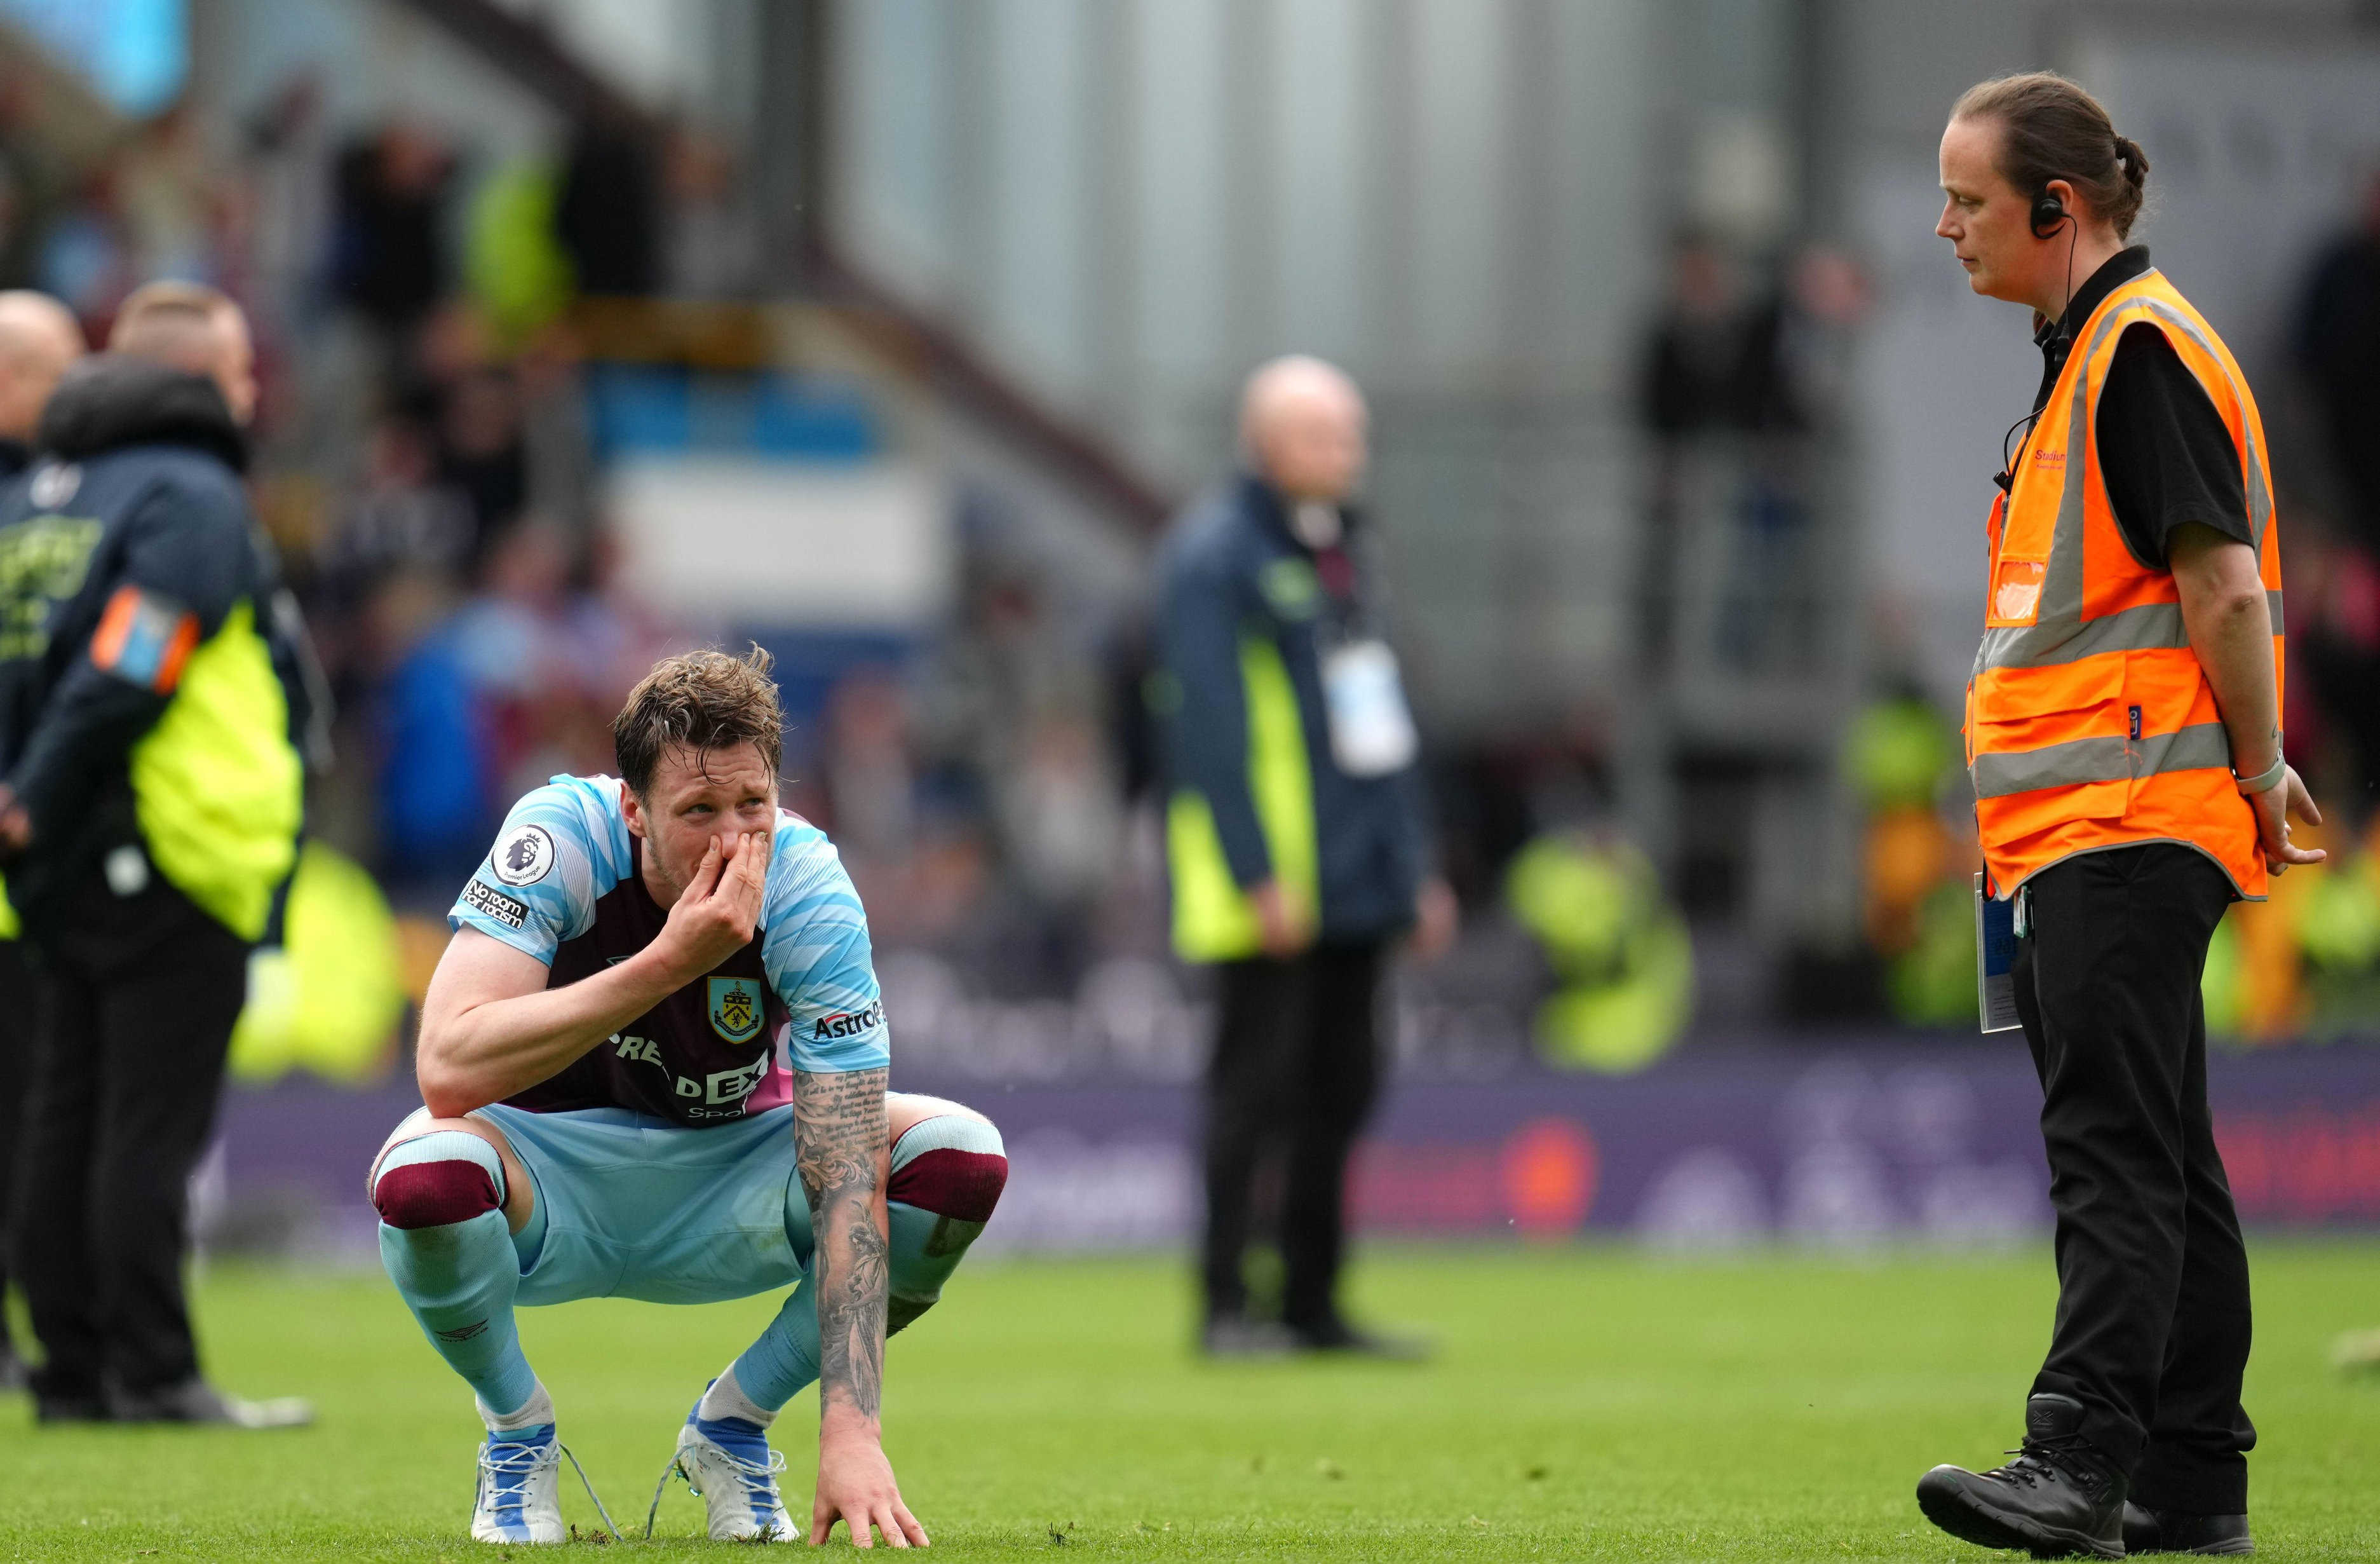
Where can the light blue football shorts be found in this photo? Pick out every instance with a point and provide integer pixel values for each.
(634, 1206)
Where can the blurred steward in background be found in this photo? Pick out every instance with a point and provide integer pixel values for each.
(2339, 355)
(2123, 736)
(150, 790)
(39, 339)
(1296, 833)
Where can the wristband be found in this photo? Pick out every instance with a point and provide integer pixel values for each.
(2264, 780)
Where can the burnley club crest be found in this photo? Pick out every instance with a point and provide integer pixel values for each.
(735, 1009)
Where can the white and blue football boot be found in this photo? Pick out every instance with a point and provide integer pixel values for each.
(519, 1497)
(728, 1462)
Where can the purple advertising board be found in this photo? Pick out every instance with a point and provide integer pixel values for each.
(1926, 1142)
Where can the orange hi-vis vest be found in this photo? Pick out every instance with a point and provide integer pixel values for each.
(2090, 724)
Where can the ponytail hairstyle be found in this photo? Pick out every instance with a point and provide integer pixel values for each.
(2051, 128)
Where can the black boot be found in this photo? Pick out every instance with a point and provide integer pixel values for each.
(1335, 1334)
(2059, 1494)
(59, 1399)
(2171, 1530)
(195, 1400)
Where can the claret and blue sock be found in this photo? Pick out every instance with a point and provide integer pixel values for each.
(448, 1248)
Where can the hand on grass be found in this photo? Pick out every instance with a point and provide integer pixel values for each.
(856, 1486)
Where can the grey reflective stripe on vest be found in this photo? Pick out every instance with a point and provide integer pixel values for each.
(2195, 748)
(2059, 633)
(2150, 626)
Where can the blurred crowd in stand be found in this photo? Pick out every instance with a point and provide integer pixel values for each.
(976, 794)
(1741, 387)
(430, 460)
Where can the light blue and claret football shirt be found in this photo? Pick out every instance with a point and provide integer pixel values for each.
(564, 883)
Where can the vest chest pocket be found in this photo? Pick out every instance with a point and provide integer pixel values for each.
(2016, 594)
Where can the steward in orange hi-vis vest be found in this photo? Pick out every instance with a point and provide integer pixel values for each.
(2090, 724)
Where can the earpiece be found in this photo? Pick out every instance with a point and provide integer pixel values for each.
(2048, 211)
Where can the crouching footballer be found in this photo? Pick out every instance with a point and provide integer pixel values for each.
(654, 1065)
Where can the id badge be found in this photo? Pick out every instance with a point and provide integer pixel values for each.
(1371, 729)
(1995, 960)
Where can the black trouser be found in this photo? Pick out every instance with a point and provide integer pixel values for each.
(139, 995)
(2153, 1321)
(15, 1064)
(1297, 1068)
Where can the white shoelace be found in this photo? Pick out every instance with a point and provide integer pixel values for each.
(494, 1468)
(753, 1472)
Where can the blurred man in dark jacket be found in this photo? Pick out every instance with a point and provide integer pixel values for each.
(1295, 833)
(38, 339)
(2338, 346)
(151, 790)
(2339, 351)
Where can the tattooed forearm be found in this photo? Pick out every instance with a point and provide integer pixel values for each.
(839, 1147)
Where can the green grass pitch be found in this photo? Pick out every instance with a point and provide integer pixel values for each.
(1585, 1403)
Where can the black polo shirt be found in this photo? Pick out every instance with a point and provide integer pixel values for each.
(2164, 451)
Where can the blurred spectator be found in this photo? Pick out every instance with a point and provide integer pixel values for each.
(38, 339)
(870, 778)
(463, 387)
(480, 703)
(557, 449)
(387, 259)
(607, 212)
(713, 250)
(517, 271)
(1061, 820)
(1619, 950)
(1900, 753)
(481, 455)
(2335, 631)
(32, 181)
(289, 157)
(2339, 344)
(404, 519)
(170, 199)
(1695, 362)
(431, 743)
(1299, 852)
(1734, 389)
(2338, 348)
(86, 257)
(1702, 379)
